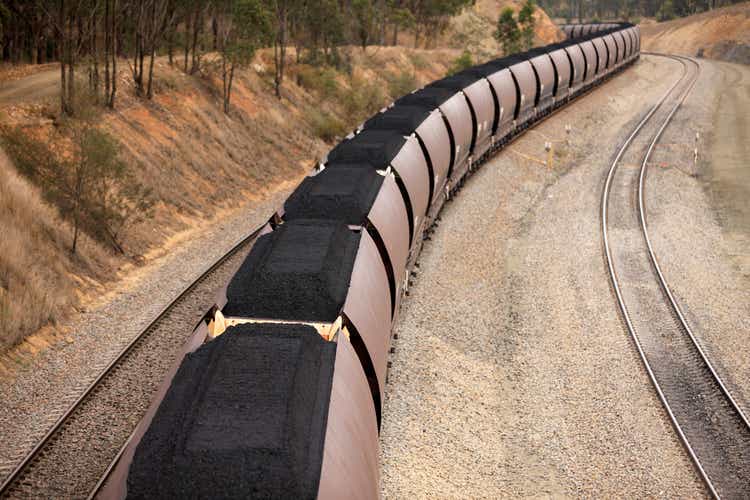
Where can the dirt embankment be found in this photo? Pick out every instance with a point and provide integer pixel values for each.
(718, 34)
(200, 162)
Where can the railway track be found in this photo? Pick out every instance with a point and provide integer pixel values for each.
(74, 453)
(712, 427)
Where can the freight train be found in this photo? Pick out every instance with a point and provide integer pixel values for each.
(279, 391)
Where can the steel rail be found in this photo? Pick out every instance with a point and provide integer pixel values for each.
(616, 285)
(654, 261)
(28, 460)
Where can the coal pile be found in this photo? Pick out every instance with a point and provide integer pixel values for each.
(428, 97)
(245, 417)
(345, 194)
(301, 271)
(374, 147)
(403, 119)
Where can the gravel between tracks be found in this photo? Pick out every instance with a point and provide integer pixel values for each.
(41, 391)
(513, 374)
(701, 244)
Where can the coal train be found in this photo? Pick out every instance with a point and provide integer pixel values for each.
(279, 391)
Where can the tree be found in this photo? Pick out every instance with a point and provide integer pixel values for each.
(282, 10)
(93, 189)
(508, 32)
(365, 22)
(526, 22)
(241, 26)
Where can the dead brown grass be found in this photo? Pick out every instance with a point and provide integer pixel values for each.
(36, 269)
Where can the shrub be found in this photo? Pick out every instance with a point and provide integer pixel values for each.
(418, 60)
(464, 61)
(325, 125)
(92, 188)
(666, 11)
(321, 80)
(363, 99)
(401, 84)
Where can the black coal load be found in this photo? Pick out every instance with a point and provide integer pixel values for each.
(427, 98)
(402, 119)
(301, 271)
(375, 148)
(456, 82)
(245, 417)
(346, 194)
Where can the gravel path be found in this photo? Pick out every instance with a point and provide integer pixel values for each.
(37, 394)
(513, 374)
(698, 217)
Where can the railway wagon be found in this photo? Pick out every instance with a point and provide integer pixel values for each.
(278, 392)
(457, 114)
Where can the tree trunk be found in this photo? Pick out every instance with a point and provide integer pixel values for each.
(280, 51)
(187, 43)
(107, 47)
(61, 28)
(111, 102)
(149, 92)
(196, 29)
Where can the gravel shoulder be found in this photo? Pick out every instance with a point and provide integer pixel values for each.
(513, 374)
(699, 218)
(34, 393)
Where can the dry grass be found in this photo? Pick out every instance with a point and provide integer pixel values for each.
(36, 284)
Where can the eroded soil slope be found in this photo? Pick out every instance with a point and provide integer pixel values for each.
(718, 34)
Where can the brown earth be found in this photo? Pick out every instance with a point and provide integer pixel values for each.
(718, 34)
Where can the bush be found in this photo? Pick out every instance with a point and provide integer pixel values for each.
(666, 12)
(464, 61)
(362, 100)
(325, 125)
(418, 61)
(321, 80)
(401, 84)
(92, 188)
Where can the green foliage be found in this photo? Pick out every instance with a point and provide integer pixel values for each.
(508, 33)
(418, 60)
(666, 11)
(401, 17)
(325, 125)
(401, 84)
(321, 79)
(243, 25)
(462, 62)
(365, 21)
(4, 19)
(363, 99)
(526, 24)
(92, 188)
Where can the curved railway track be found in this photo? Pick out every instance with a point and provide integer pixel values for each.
(74, 452)
(712, 427)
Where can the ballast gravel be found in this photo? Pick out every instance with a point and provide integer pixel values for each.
(513, 374)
